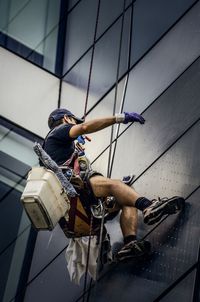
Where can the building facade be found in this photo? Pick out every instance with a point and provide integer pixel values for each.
(98, 57)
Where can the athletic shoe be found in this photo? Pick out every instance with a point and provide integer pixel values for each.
(134, 249)
(161, 207)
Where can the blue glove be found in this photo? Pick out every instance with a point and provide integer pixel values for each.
(133, 117)
(81, 139)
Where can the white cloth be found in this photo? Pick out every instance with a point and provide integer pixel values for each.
(76, 256)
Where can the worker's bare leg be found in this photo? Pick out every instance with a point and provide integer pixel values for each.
(103, 187)
(124, 195)
(127, 197)
(129, 221)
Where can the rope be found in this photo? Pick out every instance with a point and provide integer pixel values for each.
(92, 59)
(85, 110)
(88, 258)
(114, 109)
(99, 255)
(111, 138)
(116, 88)
(98, 38)
(100, 241)
(125, 86)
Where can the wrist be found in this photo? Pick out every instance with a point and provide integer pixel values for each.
(119, 117)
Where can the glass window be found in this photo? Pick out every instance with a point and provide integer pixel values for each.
(18, 147)
(80, 31)
(71, 3)
(109, 11)
(22, 34)
(17, 237)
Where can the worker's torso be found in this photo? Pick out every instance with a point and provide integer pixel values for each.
(58, 144)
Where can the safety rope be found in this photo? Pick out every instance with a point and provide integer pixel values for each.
(92, 59)
(111, 138)
(125, 87)
(100, 242)
(85, 110)
(88, 258)
(116, 87)
(114, 109)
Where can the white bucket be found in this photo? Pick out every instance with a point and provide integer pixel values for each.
(44, 199)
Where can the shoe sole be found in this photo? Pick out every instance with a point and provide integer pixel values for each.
(172, 206)
(146, 252)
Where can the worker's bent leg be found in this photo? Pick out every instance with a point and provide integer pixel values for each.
(153, 211)
(125, 196)
(103, 187)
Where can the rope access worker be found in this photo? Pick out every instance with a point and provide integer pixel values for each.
(65, 128)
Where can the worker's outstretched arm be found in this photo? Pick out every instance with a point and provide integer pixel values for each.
(101, 123)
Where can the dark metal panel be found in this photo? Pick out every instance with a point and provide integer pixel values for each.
(11, 211)
(182, 292)
(106, 56)
(48, 245)
(157, 69)
(177, 172)
(148, 80)
(76, 87)
(171, 114)
(175, 242)
(166, 61)
(101, 138)
(149, 25)
(147, 18)
(14, 261)
(53, 284)
(104, 67)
